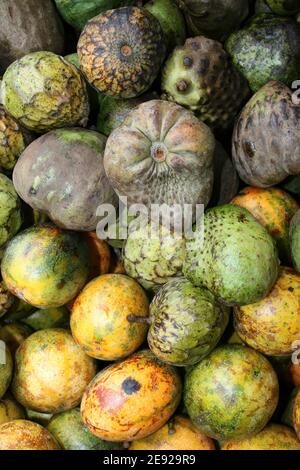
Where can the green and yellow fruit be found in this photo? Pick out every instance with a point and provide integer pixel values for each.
(21, 434)
(10, 409)
(13, 334)
(295, 240)
(273, 437)
(6, 368)
(10, 210)
(48, 318)
(6, 299)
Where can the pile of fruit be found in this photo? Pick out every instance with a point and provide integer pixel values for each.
(150, 342)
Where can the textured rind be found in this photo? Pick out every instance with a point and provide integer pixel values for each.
(272, 326)
(107, 68)
(71, 434)
(177, 434)
(131, 399)
(6, 371)
(10, 409)
(213, 18)
(21, 434)
(273, 437)
(296, 414)
(186, 323)
(51, 372)
(101, 314)
(235, 258)
(153, 261)
(45, 266)
(266, 137)
(68, 190)
(267, 48)
(284, 7)
(29, 26)
(232, 393)
(200, 76)
(184, 175)
(43, 91)
(295, 240)
(10, 210)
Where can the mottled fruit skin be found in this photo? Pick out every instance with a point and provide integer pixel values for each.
(10, 409)
(131, 399)
(177, 434)
(273, 437)
(161, 154)
(45, 266)
(103, 317)
(10, 210)
(265, 142)
(296, 414)
(6, 369)
(51, 371)
(213, 18)
(13, 334)
(295, 240)
(48, 318)
(6, 299)
(235, 258)
(272, 325)
(21, 434)
(121, 51)
(43, 91)
(186, 323)
(71, 434)
(68, 190)
(200, 76)
(153, 261)
(284, 7)
(232, 393)
(267, 48)
(273, 208)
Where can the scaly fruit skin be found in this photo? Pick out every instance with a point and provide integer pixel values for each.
(6, 299)
(265, 142)
(274, 209)
(48, 318)
(273, 437)
(186, 323)
(268, 48)
(43, 91)
(277, 316)
(153, 261)
(121, 51)
(199, 76)
(232, 393)
(45, 266)
(284, 7)
(177, 434)
(71, 434)
(296, 414)
(131, 399)
(21, 434)
(51, 353)
(10, 210)
(236, 258)
(68, 191)
(295, 240)
(213, 18)
(13, 335)
(102, 312)
(10, 409)
(6, 369)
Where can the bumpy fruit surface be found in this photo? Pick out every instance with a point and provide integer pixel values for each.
(131, 399)
(21, 434)
(43, 92)
(232, 393)
(10, 210)
(273, 437)
(200, 76)
(121, 51)
(51, 371)
(6, 369)
(45, 266)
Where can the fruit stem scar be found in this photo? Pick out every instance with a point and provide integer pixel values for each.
(159, 152)
(126, 50)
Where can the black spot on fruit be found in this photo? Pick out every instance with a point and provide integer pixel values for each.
(130, 386)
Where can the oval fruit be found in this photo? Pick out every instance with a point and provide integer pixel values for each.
(6, 368)
(21, 434)
(10, 210)
(10, 409)
(45, 266)
(232, 393)
(273, 437)
(131, 399)
(51, 371)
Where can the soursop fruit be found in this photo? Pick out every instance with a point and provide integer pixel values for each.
(10, 210)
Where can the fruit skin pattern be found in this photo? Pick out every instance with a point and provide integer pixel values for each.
(21, 434)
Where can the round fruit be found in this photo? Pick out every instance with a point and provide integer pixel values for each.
(13, 335)
(51, 371)
(6, 368)
(186, 323)
(284, 7)
(295, 240)
(272, 325)
(178, 434)
(105, 317)
(274, 209)
(45, 266)
(71, 434)
(10, 409)
(131, 399)
(48, 318)
(10, 210)
(121, 51)
(232, 393)
(62, 175)
(43, 91)
(161, 154)
(273, 437)
(21, 434)
(6, 299)
(235, 258)
(296, 414)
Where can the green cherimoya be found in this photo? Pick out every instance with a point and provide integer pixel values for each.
(10, 210)
(43, 91)
(200, 76)
(186, 323)
(234, 256)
